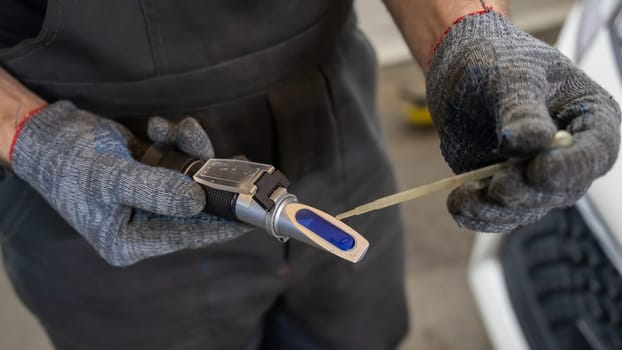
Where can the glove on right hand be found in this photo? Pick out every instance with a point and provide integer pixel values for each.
(127, 211)
(496, 92)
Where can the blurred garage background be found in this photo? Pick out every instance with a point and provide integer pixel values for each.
(443, 312)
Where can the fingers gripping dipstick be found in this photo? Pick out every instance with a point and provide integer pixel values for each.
(562, 139)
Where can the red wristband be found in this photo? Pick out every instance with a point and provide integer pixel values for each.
(486, 9)
(20, 126)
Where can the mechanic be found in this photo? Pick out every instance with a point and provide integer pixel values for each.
(95, 243)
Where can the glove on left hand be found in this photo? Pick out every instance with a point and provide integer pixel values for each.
(496, 92)
(82, 165)
(187, 136)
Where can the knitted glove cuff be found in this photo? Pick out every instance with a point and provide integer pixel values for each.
(472, 27)
(33, 135)
(18, 128)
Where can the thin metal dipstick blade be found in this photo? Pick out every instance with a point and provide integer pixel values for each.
(562, 139)
(420, 191)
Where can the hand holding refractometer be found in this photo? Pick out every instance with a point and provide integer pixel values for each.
(562, 139)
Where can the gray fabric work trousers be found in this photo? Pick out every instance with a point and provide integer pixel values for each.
(317, 124)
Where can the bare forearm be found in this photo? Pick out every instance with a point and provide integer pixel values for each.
(422, 22)
(15, 102)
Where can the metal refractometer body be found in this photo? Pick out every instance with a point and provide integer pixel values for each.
(257, 194)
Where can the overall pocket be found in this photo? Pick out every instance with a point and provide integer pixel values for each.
(213, 32)
(46, 35)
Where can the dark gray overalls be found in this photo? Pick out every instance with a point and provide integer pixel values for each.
(290, 83)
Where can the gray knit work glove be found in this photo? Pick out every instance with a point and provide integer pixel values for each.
(495, 92)
(81, 165)
(188, 136)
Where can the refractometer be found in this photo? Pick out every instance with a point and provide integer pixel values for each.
(256, 194)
